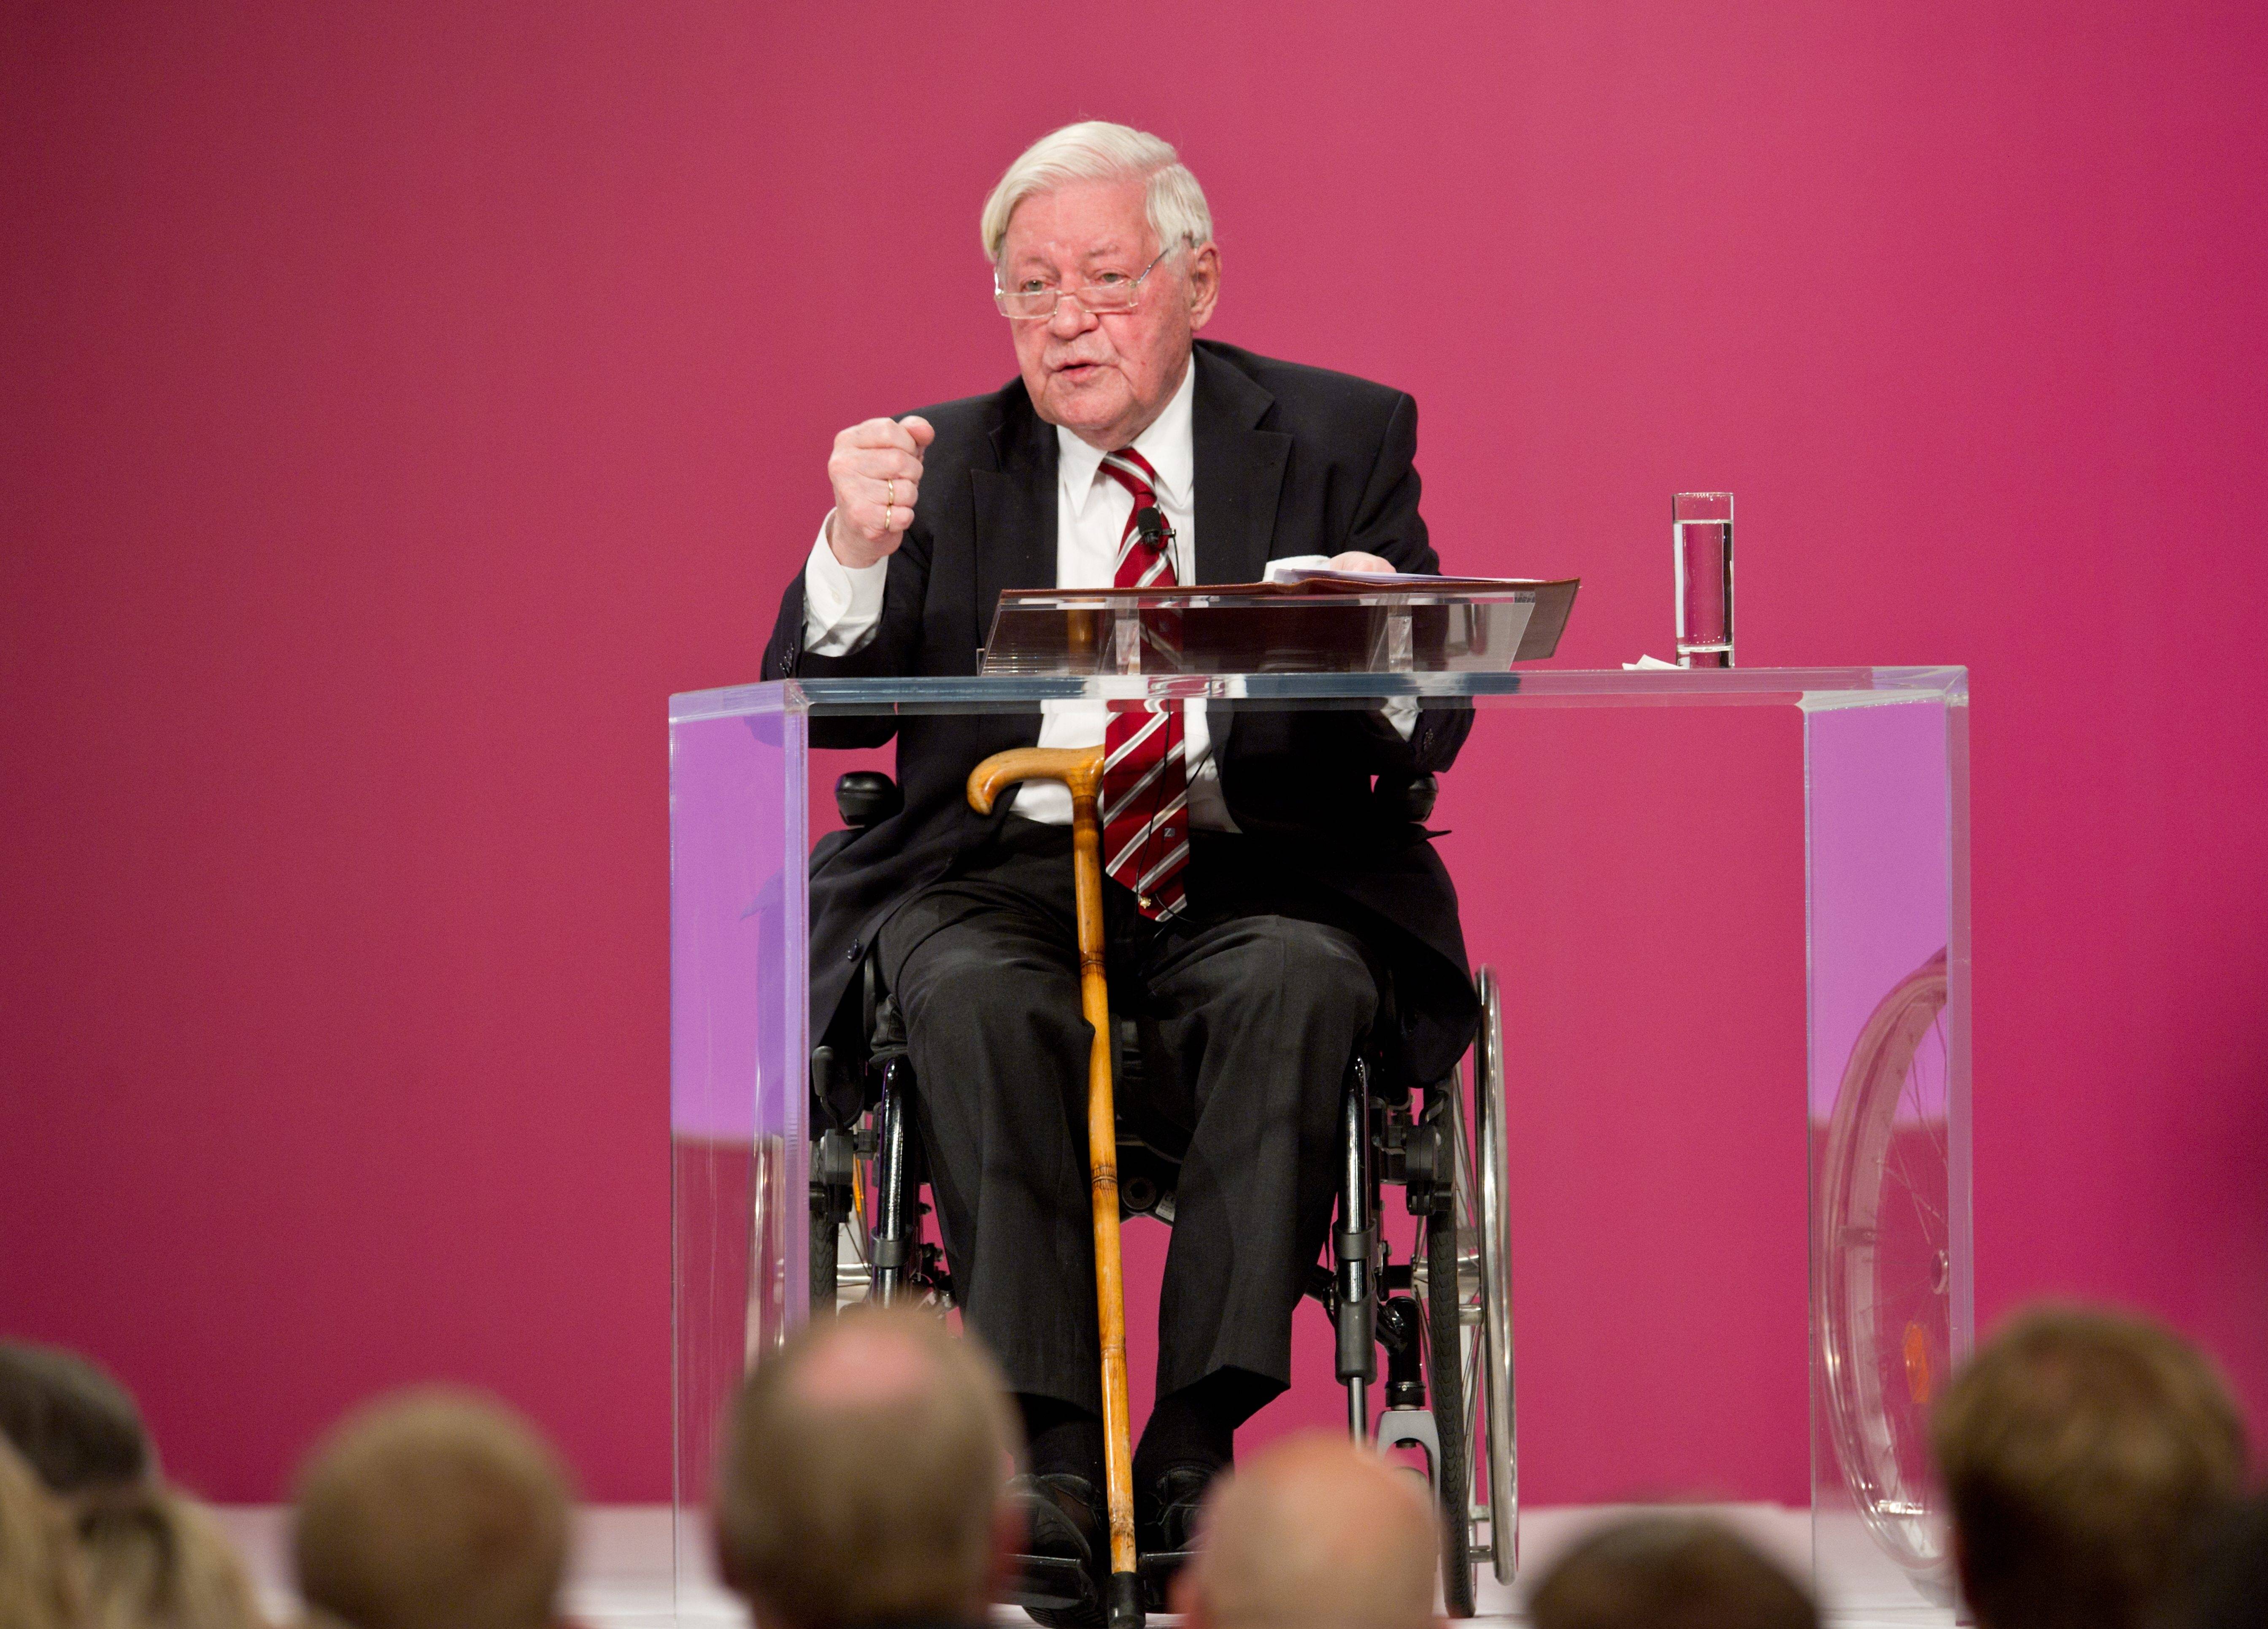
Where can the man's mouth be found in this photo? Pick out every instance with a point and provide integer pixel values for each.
(1078, 373)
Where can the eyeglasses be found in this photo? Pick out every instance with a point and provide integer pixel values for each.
(1107, 294)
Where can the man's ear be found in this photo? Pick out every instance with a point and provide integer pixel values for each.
(1205, 283)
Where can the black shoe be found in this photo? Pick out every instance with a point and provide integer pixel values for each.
(1166, 1514)
(1057, 1577)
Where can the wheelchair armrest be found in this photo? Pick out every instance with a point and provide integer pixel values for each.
(866, 797)
(1406, 797)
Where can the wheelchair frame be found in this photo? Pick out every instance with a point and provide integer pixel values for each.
(1443, 1316)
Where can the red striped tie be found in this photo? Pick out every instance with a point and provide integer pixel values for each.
(1145, 790)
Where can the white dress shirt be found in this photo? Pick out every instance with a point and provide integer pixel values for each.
(842, 605)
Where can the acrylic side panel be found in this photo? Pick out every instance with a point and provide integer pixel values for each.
(1634, 875)
(737, 1070)
(1888, 1105)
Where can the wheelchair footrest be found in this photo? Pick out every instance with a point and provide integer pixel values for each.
(1051, 1582)
(1157, 1575)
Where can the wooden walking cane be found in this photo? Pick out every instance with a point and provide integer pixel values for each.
(1080, 770)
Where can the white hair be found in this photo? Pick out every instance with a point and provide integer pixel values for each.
(1095, 151)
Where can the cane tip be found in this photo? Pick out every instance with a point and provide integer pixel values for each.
(1124, 1607)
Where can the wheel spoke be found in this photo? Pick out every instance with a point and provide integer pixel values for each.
(1896, 1166)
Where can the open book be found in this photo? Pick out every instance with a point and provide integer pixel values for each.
(1323, 580)
(1311, 620)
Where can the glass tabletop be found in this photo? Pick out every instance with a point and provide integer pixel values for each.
(1811, 688)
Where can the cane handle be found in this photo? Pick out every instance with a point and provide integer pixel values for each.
(1078, 768)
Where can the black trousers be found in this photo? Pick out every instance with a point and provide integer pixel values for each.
(1249, 1005)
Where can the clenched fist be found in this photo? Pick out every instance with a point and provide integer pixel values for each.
(876, 469)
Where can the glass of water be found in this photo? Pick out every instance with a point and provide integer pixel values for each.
(1701, 532)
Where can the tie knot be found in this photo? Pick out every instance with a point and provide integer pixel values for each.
(1130, 470)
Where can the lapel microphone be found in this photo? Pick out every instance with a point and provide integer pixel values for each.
(1150, 525)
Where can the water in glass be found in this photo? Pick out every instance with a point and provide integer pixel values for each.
(1701, 534)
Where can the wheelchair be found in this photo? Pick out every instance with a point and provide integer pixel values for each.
(1442, 1314)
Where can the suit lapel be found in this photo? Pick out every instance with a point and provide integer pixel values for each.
(1240, 471)
(1015, 507)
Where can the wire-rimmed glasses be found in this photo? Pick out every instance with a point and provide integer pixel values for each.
(1107, 294)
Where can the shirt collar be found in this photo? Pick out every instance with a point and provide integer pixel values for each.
(1167, 444)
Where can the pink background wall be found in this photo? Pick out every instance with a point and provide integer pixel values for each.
(401, 403)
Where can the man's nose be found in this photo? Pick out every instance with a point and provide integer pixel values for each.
(1071, 318)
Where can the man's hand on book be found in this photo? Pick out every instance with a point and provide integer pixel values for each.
(1355, 560)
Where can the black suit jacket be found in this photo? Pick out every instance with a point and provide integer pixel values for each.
(1288, 460)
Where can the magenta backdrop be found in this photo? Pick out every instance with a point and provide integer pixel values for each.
(401, 403)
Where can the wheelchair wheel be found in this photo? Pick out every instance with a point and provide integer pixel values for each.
(1447, 1370)
(1883, 1272)
(824, 1242)
(1469, 1350)
(1499, 1437)
(840, 1218)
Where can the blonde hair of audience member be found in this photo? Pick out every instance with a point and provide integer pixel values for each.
(155, 1559)
(2080, 1449)
(864, 1475)
(1312, 1534)
(75, 1425)
(38, 1582)
(1668, 1572)
(433, 1509)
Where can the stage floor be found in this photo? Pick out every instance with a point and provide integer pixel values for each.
(621, 1577)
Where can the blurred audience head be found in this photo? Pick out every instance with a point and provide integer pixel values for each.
(37, 1577)
(1312, 1534)
(2225, 1582)
(2080, 1449)
(155, 1559)
(864, 1477)
(74, 1425)
(433, 1509)
(1668, 1572)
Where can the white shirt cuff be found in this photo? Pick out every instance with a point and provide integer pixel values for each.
(841, 604)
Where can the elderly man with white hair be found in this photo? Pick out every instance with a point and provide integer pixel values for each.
(1270, 901)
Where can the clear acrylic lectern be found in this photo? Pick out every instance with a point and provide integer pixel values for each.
(1729, 912)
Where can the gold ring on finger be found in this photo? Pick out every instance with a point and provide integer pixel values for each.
(890, 501)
